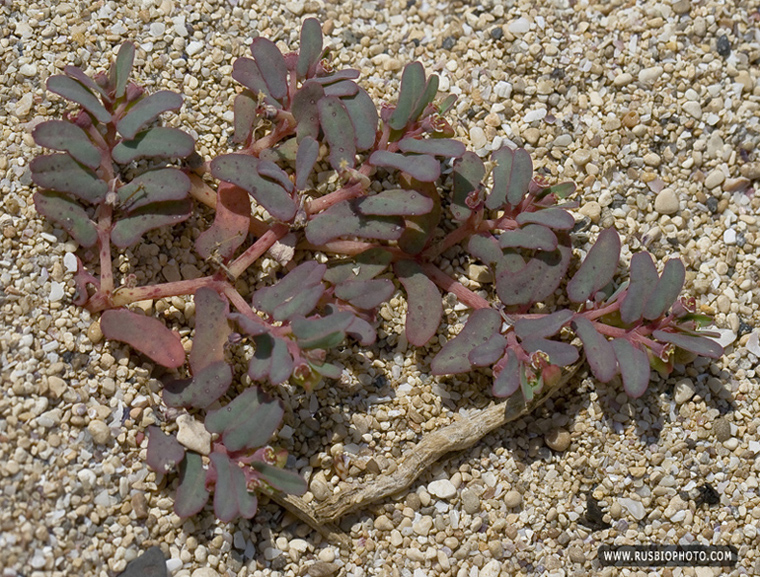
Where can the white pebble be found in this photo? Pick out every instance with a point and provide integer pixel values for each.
(693, 109)
(635, 508)
(519, 26)
(87, 478)
(28, 70)
(714, 179)
(512, 499)
(729, 236)
(650, 75)
(194, 47)
(157, 29)
(490, 569)
(666, 201)
(271, 552)
(56, 291)
(70, 262)
(684, 391)
(533, 115)
(725, 338)
(24, 105)
(443, 489)
(753, 343)
(478, 137)
(193, 435)
(173, 565)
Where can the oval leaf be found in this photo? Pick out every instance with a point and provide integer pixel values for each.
(69, 215)
(395, 202)
(68, 137)
(363, 114)
(247, 422)
(424, 308)
(62, 173)
(344, 219)
(144, 334)
(339, 132)
(192, 494)
(597, 269)
(72, 90)
(211, 328)
(231, 496)
(244, 108)
(412, 87)
(703, 346)
(489, 352)
(453, 358)
(422, 167)
(231, 221)
(305, 109)
(531, 237)
(666, 290)
(164, 451)
(160, 185)
(159, 142)
(560, 353)
(146, 110)
(634, 367)
(485, 248)
(272, 66)
(468, 176)
(554, 218)
(302, 280)
(544, 327)
(322, 332)
(507, 381)
(123, 68)
(128, 230)
(271, 360)
(310, 50)
(445, 147)
(512, 174)
(205, 387)
(306, 158)
(644, 278)
(599, 351)
(365, 294)
(247, 72)
(342, 89)
(285, 481)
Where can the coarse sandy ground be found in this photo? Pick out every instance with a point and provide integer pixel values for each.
(650, 107)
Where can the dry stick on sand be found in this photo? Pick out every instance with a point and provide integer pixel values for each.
(461, 434)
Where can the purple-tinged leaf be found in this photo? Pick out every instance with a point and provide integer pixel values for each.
(247, 72)
(644, 278)
(249, 421)
(339, 132)
(419, 230)
(518, 287)
(512, 173)
(270, 170)
(271, 360)
(192, 494)
(342, 89)
(361, 331)
(310, 50)
(453, 358)
(634, 367)
(211, 328)
(554, 218)
(230, 227)
(363, 114)
(553, 269)
(79, 75)
(242, 170)
(164, 451)
(395, 202)
(159, 185)
(445, 147)
(419, 166)
(200, 391)
(344, 219)
(72, 90)
(345, 74)
(412, 88)
(306, 158)
(122, 68)
(561, 190)
(427, 96)
(69, 215)
(597, 269)
(60, 172)
(507, 381)
(365, 294)
(159, 142)
(599, 352)
(666, 291)
(280, 479)
(364, 266)
(424, 308)
(468, 175)
(245, 115)
(248, 325)
(272, 66)
(485, 248)
(322, 332)
(702, 346)
(231, 496)
(560, 353)
(146, 110)
(68, 137)
(144, 334)
(128, 230)
(543, 327)
(488, 352)
(305, 278)
(306, 111)
(531, 236)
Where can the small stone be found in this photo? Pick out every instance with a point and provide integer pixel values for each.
(193, 434)
(650, 75)
(173, 565)
(513, 499)
(753, 343)
(623, 79)
(479, 273)
(729, 237)
(637, 472)
(592, 210)
(94, 332)
(326, 555)
(24, 105)
(751, 170)
(676, 504)
(100, 432)
(693, 109)
(470, 501)
(684, 391)
(319, 489)
(296, 8)
(682, 7)
(652, 159)
(205, 572)
(635, 508)
(56, 291)
(557, 439)
(382, 523)
(714, 179)
(563, 141)
(581, 157)
(28, 70)
(443, 489)
(497, 33)
(322, 569)
(576, 555)
(490, 569)
(666, 201)
(56, 386)
(140, 505)
(157, 29)
(87, 478)
(721, 430)
(478, 137)
(731, 444)
(194, 47)
(519, 26)
(723, 46)
(423, 525)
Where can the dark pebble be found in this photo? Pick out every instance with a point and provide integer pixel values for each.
(448, 43)
(744, 329)
(497, 33)
(723, 46)
(712, 204)
(741, 240)
(708, 495)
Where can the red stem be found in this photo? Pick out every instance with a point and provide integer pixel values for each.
(258, 248)
(444, 281)
(126, 295)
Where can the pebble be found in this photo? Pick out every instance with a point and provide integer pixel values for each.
(557, 439)
(423, 525)
(519, 26)
(322, 569)
(470, 501)
(753, 343)
(684, 391)
(193, 434)
(490, 569)
(326, 555)
(478, 137)
(575, 554)
(194, 47)
(693, 109)
(319, 489)
(100, 432)
(666, 202)
(714, 179)
(56, 291)
(443, 489)
(650, 75)
(635, 508)
(675, 506)
(173, 565)
(204, 572)
(382, 523)
(513, 499)
(721, 430)
(623, 79)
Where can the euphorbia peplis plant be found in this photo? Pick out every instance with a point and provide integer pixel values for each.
(297, 118)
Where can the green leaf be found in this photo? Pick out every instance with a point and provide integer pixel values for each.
(364, 266)
(128, 230)
(271, 360)
(344, 74)
(123, 68)
(144, 334)
(159, 185)
(554, 218)
(531, 236)
(512, 174)
(427, 96)
(453, 358)
(395, 202)
(231, 221)
(644, 278)
(599, 351)
(597, 269)
(310, 48)
(146, 110)
(192, 494)
(424, 309)
(419, 230)
(285, 481)
(242, 170)
(164, 451)
(634, 367)
(306, 111)
(159, 142)
(306, 158)
(420, 166)
(272, 66)
(339, 132)
(412, 88)
(247, 422)
(507, 381)
(488, 352)
(323, 332)
(200, 391)
(231, 496)
(244, 108)
(69, 215)
(365, 294)
(344, 219)
(247, 72)
(560, 353)
(363, 114)
(62, 173)
(702, 346)
(666, 290)
(78, 75)
(468, 176)
(211, 328)
(543, 327)
(72, 90)
(292, 295)
(68, 137)
(445, 147)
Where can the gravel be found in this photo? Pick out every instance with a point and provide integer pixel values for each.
(661, 103)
